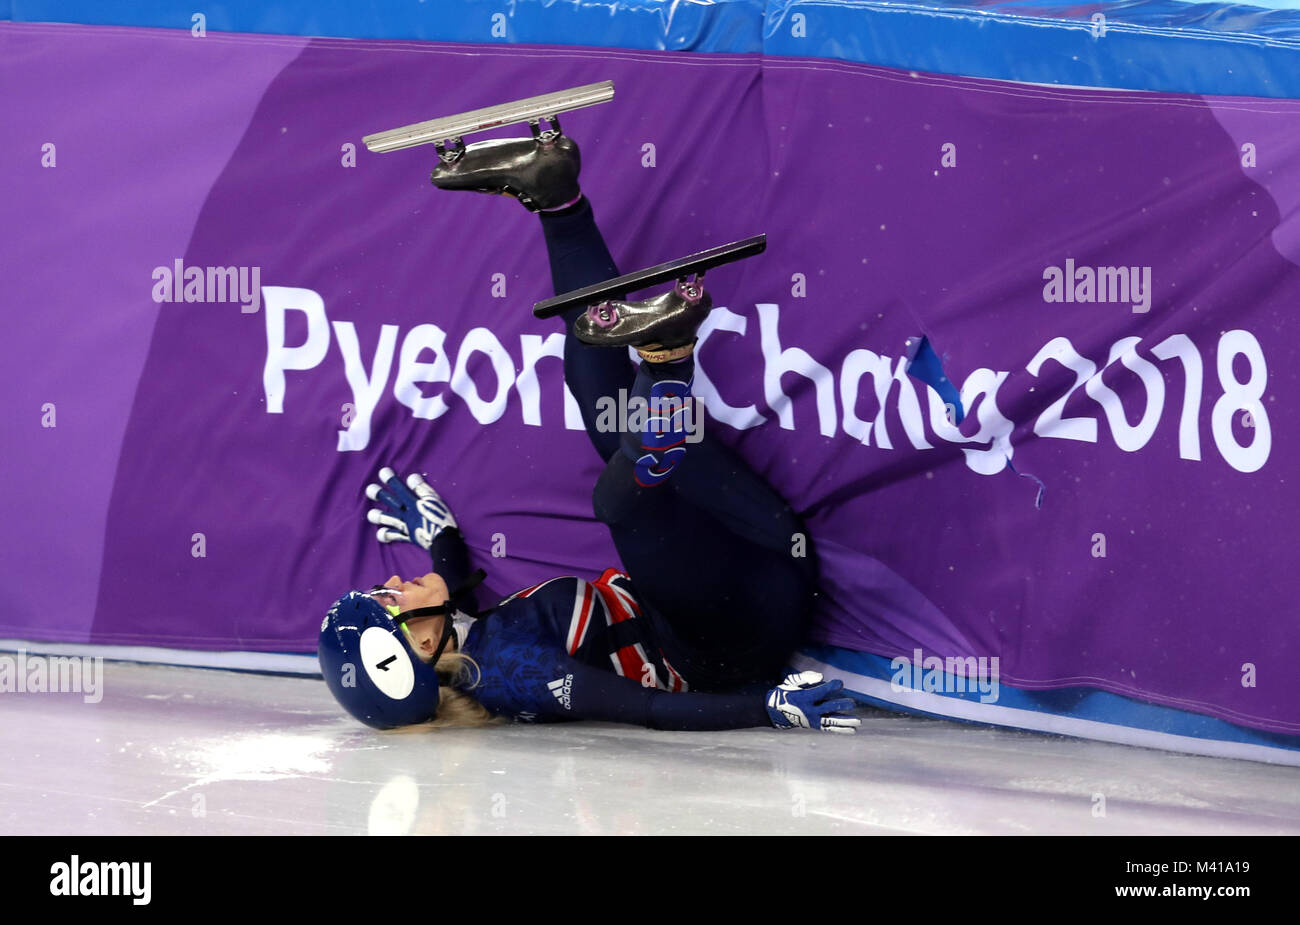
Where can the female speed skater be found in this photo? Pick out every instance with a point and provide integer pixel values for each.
(692, 635)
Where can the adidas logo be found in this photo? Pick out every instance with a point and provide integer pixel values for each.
(562, 688)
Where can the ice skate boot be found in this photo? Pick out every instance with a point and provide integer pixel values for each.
(666, 322)
(541, 172)
(663, 414)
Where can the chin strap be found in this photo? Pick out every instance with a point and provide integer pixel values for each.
(452, 604)
(446, 609)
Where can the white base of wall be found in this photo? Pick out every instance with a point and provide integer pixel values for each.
(1034, 721)
(270, 662)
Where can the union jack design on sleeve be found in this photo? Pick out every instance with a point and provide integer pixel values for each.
(530, 591)
(583, 604)
(602, 624)
(630, 660)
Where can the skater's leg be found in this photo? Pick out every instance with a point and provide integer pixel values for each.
(713, 478)
(693, 555)
(709, 476)
(579, 257)
(740, 606)
(577, 252)
(710, 545)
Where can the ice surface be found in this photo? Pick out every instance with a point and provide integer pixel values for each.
(194, 751)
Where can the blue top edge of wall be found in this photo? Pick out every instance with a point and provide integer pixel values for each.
(1212, 49)
(734, 26)
(1164, 45)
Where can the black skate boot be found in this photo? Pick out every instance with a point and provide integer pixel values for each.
(664, 322)
(541, 172)
(670, 319)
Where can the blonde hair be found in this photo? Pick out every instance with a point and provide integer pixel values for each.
(455, 707)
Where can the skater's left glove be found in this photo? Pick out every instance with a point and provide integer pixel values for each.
(414, 512)
(804, 700)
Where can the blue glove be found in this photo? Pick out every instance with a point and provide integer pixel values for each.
(802, 700)
(415, 513)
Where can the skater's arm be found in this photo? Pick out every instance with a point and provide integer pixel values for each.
(601, 695)
(451, 561)
(801, 700)
(527, 677)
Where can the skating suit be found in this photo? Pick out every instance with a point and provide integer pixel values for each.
(570, 649)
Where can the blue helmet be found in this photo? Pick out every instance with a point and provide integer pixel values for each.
(370, 667)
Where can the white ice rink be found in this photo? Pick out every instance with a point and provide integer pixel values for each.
(200, 752)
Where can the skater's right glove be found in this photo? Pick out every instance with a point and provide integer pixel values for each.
(414, 511)
(803, 700)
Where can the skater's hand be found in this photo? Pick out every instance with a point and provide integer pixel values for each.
(803, 700)
(413, 513)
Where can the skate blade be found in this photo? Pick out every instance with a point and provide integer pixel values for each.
(620, 286)
(478, 120)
